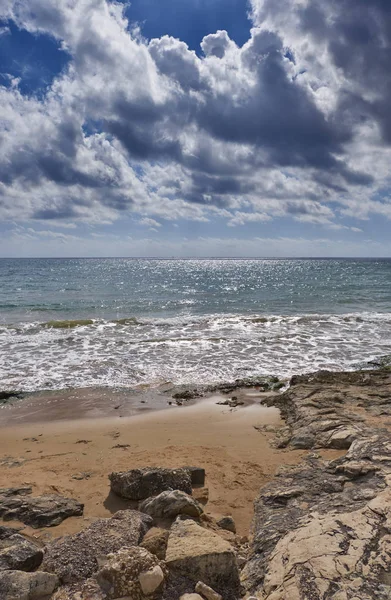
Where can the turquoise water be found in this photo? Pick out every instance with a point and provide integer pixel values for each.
(121, 322)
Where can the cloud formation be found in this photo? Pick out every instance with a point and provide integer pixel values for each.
(295, 123)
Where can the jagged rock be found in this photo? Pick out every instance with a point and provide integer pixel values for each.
(75, 557)
(169, 505)
(155, 541)
(17, 585)
(84, 590)
(227, 523)
(197, 475)
(322, 529)
(139, 484)
(324, 409)
(350, 563)
(128, 572)
(39, 511)
(207, 592)
(202, 555)
(17, 553)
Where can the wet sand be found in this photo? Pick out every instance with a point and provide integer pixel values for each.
(74, 457)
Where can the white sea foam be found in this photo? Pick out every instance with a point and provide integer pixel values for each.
(187, 349)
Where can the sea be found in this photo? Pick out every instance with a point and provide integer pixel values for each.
(121, 322)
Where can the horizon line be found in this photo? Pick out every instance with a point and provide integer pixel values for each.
(196, 257)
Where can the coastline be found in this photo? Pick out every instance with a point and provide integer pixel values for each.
(289, 468)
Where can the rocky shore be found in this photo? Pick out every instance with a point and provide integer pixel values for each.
(321, 529)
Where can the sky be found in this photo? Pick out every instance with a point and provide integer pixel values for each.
(195, 128)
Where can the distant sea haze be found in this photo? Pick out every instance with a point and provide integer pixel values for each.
(123, 322)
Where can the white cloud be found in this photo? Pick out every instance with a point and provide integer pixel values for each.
(249, 134)
(149, 222)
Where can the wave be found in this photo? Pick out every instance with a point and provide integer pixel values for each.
(186, 349)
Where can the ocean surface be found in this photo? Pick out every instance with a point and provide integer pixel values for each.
(124, 322)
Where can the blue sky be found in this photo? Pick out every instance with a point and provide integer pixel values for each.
(173, 128)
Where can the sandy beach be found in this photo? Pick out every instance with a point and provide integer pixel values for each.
(74, 456)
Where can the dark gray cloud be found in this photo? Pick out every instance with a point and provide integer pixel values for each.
(357, 35)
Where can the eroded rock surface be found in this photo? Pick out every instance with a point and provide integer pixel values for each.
(75, 557)
(17, 552)
(132, 572)
(139, 484)
(169, 505)
(40, 511)
(17, 585)
(323, 530)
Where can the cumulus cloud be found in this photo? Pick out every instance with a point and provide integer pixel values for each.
(294, 123)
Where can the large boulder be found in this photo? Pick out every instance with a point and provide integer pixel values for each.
(41, 511)
(17, 585)
(168, 505)
(132, 572)
(139, 484)
(201, 555)
(18, 553)
(75, 557)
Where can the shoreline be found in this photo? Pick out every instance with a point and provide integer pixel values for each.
(104, 402)
(288, 467)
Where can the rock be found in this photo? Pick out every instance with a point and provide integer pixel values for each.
(169, 505)
(17, 585)
(75, 557)
(197, 475)
(187, 395)
(155, 541)
(17, 553)
(151, 581)
(231, 402)
(21, 491)
(207, 592)
(202, 555)
(227, 523)
(40, 511)
(139, 484)
(127, 571)
(201, 495)
(6, 395)
(241, 560)
(322, 529)
(84, 590)
(191, 597)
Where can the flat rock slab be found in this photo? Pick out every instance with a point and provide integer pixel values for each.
(16, 585)
(139, 484)
(39, 511)
(17, 553)
(75, 557)
(201, 555)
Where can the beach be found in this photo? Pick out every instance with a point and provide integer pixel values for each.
(275, 396)
(64, 453)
